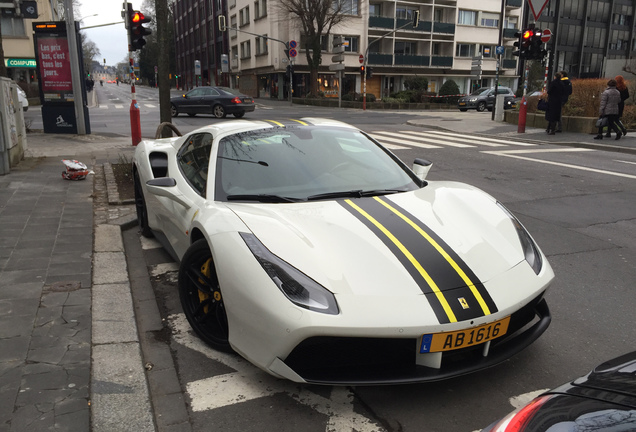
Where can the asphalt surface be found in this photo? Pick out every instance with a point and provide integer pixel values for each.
(72, 358)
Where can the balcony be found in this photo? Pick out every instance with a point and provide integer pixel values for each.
(380, 59)
(442, 61)
(381, 22)
(439, 27)
(411, 60)
(509, 33)
(514, 3)
(509, 64)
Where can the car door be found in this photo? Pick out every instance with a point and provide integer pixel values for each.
(192, 160)
(211, 98)
(192, 101)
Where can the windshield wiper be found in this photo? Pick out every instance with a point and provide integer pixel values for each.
(266, 198)
(358, 193)
(245, 160)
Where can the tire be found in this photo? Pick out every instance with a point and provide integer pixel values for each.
(173, 110)
(481, 106)
(201, 297)
(140, 206)
(239, 115)
(192, 114)
(463, 109)
(218, 111)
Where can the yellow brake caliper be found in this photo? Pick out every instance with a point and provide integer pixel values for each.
(206, 270)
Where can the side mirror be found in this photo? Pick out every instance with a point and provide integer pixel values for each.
(165, 187)
(421, 167)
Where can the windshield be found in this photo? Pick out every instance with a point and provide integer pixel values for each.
(300, 163)
(228, 90)
(480, 91)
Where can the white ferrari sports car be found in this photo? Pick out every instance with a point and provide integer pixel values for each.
(315, 253)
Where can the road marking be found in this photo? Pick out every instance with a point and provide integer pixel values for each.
(514, 154)
(622, 161)
(249, 382)
(486, 141)
(522, 399)
(382, 139)
(150, 105)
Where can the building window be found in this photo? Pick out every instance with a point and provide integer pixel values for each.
(487, 51)
(352, 44)
(231, 3)
(511, 22)
(245, 50)
(324, 42)
(489, 19)
(466, 17)
(260, 9)
(465, 50)
(347, 7)
(375, 10)
(403, 13)
(13, 27)
(233, 33)
(244, 16)
(261, 45)
(405, 48)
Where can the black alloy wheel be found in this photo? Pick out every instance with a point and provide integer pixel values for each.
(201, 297)
(481, 106)
(140, 206)
(173, 110)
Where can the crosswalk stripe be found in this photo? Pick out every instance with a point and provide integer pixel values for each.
(453, 138)
(410, 143)
(423, 140)
(118, 106)
(150, 105)
(477, 138)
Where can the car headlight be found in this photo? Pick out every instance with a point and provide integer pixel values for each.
(472, 99)
(299, 288)
(530, 248)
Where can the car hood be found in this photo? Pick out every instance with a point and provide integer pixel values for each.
(357, 246)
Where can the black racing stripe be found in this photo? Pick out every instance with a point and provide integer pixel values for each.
(437, 307)
(457, 293)
(458, 296)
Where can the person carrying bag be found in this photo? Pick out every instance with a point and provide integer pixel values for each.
(610, 99)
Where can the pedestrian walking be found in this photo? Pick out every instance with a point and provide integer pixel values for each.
(555, 97)
(610, 99)
(621, 86)
(567, 91)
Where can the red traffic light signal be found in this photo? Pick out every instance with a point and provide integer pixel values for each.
(136, 29)
(362, 69)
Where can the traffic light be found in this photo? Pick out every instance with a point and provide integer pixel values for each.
(136, 29)
(362, 71)
(524, 43)
(369, 72)
(536, 45)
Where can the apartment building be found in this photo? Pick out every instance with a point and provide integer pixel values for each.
(450, 34)
(594, 38)
(17, 36)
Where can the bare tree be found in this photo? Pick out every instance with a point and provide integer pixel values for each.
(316, 18)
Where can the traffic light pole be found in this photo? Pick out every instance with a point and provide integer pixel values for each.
(78, 96)
(135, 121)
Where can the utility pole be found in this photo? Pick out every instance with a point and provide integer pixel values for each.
(161, 8)
(78, 96)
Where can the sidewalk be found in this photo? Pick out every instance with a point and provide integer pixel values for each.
(70, 357)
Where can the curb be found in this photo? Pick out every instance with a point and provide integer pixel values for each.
(111, 187)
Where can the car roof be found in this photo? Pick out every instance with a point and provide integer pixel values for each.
(236, 126)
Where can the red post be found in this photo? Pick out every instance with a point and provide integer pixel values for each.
(135, 122)
(523, 111)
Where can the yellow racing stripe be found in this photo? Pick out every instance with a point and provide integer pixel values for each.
(411, 258)
(442, 252)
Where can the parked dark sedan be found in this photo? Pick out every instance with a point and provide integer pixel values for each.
(218, 101)
(602, 401)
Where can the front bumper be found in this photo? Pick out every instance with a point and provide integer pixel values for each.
(372, 361)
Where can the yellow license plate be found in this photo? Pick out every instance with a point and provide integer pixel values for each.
(448, 341)
(462, 103)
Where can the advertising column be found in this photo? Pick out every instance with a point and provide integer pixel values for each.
(55, 79)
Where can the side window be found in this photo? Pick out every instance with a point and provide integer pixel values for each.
(214, 92)
(194, 158)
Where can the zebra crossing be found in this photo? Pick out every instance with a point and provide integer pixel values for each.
(439, 139)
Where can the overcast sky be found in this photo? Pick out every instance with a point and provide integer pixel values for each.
(112, 40)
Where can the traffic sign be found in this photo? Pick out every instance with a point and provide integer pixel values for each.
(293, 52)
(537, 7)
(499, 50)
(361, 58)
(293, 44)
(546, 35)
